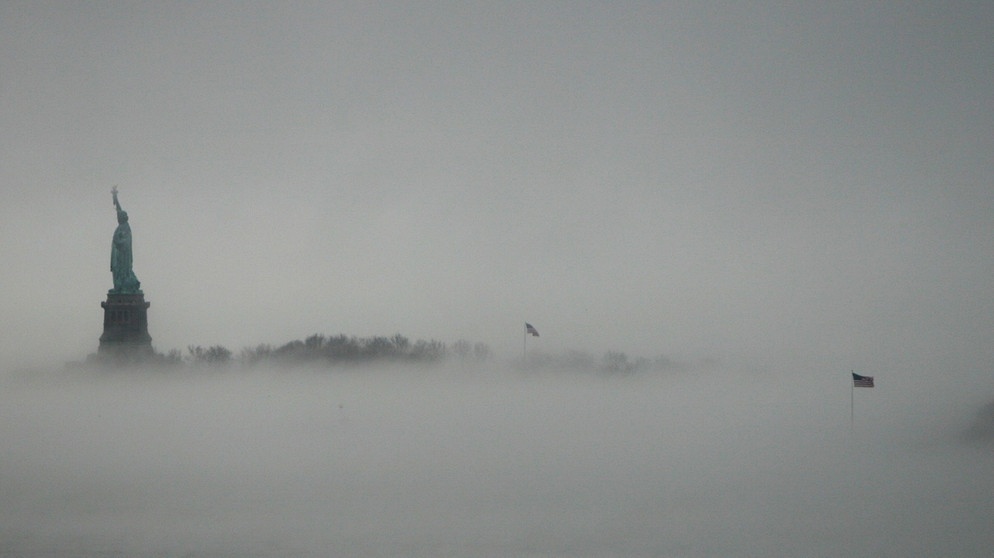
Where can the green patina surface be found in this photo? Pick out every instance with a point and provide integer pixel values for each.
(121, 259)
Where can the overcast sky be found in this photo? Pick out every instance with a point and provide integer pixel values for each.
(807, 184)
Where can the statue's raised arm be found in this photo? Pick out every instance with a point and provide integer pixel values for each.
(117, 204)
(121, 258)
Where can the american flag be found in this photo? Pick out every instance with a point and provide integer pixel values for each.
(531, 329)
(861, 381)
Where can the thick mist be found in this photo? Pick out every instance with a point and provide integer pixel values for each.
(485, 462)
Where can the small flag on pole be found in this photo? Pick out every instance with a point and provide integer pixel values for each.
(531, 329)
(862, 381)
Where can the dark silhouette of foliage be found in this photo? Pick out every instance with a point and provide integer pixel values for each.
(260, 353)
(213, 356)
(322, 350)
(427, 351)
(343, 349)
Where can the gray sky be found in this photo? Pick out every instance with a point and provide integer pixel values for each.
(805, 184)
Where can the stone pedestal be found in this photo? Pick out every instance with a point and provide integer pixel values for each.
(125, 327)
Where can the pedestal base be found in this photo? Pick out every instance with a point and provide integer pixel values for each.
(125, 327)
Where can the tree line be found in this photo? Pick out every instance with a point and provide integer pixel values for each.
(320, 350)
(338, 349)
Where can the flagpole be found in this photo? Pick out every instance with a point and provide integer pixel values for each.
(852, 388)
(524, 345)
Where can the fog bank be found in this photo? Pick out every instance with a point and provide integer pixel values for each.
(403, 462)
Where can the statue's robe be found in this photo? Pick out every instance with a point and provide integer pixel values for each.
(125, 280)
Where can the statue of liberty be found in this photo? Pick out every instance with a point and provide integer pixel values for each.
(125, 281)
